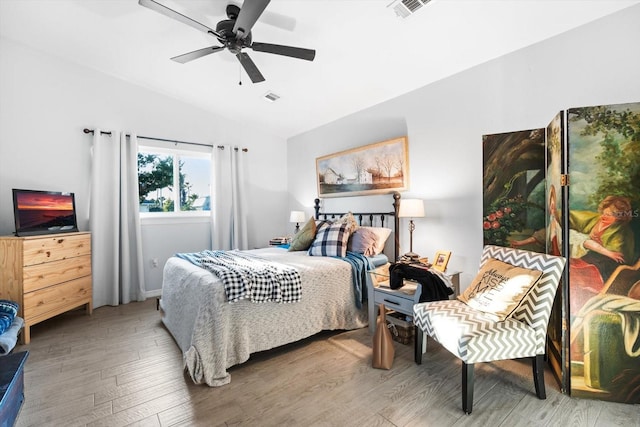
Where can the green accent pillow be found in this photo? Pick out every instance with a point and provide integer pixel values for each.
(303, 238)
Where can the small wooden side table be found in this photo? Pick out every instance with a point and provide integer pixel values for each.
(401, 299)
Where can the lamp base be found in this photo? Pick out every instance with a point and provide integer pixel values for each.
(410, 256)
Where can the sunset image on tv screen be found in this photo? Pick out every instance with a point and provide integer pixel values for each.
(45, 211)
(54, 202)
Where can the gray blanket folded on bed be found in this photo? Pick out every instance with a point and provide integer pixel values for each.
(247, 276)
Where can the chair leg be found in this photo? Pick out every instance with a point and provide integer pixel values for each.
(417, 350)
(467, 387)
(538, 375)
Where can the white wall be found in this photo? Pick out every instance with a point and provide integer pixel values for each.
(45, 103)
(593, 65)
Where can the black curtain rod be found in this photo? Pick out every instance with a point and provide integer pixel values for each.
(91, 131)
(167, 140)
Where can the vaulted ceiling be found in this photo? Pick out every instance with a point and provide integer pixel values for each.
(365, 53)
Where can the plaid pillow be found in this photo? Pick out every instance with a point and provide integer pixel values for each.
(331, 240)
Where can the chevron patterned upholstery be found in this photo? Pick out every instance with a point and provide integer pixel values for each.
(475, 337)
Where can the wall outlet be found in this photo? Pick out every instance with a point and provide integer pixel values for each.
(154, 262)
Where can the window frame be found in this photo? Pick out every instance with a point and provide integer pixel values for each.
(170, 149)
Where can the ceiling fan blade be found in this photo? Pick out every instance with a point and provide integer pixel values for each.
(183, 59)
(154, 5)
(249, 14)
(294, 52)
(254, 74)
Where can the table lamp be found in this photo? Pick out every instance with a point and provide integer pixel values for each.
(297, 217)
(411, 208)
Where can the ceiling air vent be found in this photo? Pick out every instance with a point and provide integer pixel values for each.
(404, 8)
(271, 97)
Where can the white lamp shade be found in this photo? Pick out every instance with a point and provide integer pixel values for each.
(296, 216)
(411, 208)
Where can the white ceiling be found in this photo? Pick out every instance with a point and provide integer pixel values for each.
(365, 54)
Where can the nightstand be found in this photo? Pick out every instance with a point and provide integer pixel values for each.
(401, 299)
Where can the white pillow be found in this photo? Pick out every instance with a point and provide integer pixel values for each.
(382, 234)
(499, 288)
(363, 241)
(348, 219)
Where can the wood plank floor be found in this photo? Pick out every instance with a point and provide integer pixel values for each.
(120, 367)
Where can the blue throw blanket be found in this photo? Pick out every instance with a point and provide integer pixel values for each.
(360, 265)
(8, 311)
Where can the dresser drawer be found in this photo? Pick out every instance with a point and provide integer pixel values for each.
(403, 304)
(56, 299)
(41, 250)
(40, 276)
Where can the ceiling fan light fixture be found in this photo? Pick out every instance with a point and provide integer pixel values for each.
(271, 97)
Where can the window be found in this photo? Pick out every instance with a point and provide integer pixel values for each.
(173, 180)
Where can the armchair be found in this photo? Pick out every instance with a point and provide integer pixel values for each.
(474, 336)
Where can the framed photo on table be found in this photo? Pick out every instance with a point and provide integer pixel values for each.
(441, 260)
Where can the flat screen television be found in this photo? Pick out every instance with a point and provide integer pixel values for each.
(44, 212)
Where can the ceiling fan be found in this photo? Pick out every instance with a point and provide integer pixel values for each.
(235, 34)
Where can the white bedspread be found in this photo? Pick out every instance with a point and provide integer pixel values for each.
(214, 334)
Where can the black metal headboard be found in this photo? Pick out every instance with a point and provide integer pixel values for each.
(371, 216)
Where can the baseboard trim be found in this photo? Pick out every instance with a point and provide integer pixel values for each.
(154, 293)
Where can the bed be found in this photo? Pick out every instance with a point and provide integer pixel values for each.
(215, 335)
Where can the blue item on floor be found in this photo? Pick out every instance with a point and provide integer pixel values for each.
(8, 311)
(11, 387)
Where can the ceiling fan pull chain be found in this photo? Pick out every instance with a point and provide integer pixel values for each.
(239, 74)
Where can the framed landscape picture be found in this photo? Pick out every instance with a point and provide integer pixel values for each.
(377, 168)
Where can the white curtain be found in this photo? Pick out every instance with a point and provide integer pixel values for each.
(118, 273)
(229, 207)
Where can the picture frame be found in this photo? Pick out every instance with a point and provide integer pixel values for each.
(441, 260)
(378, 168)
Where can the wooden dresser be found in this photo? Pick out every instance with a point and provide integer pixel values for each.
(47, 275)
